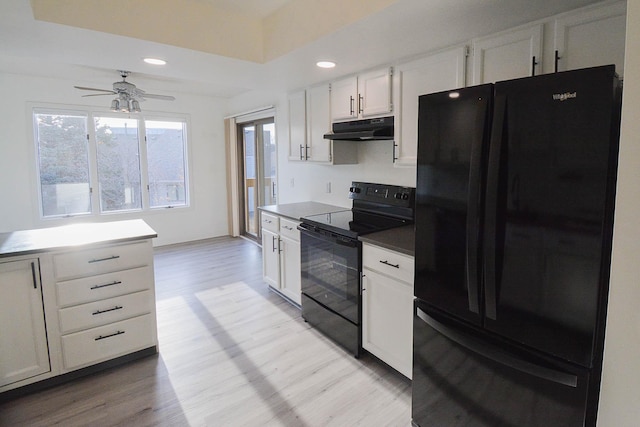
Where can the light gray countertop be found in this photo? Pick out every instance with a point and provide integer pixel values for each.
(401, 239)
(295, 211)
(26, 242)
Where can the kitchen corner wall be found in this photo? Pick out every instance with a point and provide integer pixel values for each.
(207, 215)
(303, 181)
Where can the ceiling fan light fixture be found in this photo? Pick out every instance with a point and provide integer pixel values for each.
(135, 106)
(115, 105)
(154, 61)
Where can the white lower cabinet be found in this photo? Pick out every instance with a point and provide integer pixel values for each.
(106, 302)
(64, 310)
(281, 255)
(387, 306)
(23, 341)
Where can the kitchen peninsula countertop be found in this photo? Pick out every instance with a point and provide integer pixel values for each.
(295, 211)
(400, 239)
(24, 242)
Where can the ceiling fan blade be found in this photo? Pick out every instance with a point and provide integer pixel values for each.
(99, 94)
(163, 97)
(93, 88)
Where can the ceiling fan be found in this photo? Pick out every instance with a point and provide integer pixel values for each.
(129, 96)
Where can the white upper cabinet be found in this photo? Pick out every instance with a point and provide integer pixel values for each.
(591, 37)
(309, 121)
(363, 96)
(297, 126)
(318, 123)
(435, 73)
(344, 99)
(374, 92)
(508, 55)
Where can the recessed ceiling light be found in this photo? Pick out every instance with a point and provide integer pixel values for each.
(155, 61)
(454, 95)
(326, 64)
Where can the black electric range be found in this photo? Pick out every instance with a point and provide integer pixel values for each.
(331, 257)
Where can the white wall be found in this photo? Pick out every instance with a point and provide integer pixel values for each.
(375, 162)
(207, 216)
(620, 391)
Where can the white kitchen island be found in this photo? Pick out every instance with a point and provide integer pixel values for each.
(74, 299)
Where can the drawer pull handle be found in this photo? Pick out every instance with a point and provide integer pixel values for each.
(287, 227)
(102, 337)
(389, 264)
(115, 282)
(117, 307)
(104, 259)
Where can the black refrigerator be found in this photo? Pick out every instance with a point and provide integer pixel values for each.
(514, 217)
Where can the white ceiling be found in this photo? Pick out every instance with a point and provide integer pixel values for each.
(402, 30)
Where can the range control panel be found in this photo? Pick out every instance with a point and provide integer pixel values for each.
(382, 193)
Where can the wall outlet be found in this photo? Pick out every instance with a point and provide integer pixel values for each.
(328, 187)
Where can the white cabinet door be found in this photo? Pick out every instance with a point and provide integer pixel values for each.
(297, 126)
(594, 36)
(344, 99)
(374, 92)
(387, 320)
(290, 269)
(23, 341)
(442, 71)
(318, 123)
(271, 258)
(508, 55)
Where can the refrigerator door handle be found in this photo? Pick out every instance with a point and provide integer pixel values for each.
(498, 135)
(473, 206)
(498, 355)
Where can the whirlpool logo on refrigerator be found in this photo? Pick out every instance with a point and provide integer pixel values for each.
(564, 96)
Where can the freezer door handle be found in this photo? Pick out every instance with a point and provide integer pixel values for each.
(500, 356)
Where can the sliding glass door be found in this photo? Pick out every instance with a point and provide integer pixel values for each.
(258, 146)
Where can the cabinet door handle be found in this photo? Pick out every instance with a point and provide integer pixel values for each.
(394, 152)
(351, 111)
(279, 245)
(33, 275)
(273, 243)
(389, 264)
(117, 307)
(557, 59)
(102, 337)
(115, 282)
(533, 65)
(104, 259)
(301, 158)
(360, 104)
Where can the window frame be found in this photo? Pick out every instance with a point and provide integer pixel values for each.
(90, 113)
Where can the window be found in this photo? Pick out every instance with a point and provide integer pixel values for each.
(119, 157)
(166, 163)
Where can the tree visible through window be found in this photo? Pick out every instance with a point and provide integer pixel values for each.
(69, 156)
(63, 164)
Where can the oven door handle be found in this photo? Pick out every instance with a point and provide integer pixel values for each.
(327, 236)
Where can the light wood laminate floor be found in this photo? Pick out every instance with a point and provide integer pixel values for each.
(232, 353)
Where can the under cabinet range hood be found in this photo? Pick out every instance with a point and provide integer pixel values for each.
(362, 130)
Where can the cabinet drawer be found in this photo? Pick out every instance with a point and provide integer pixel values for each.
(289, 229)
(391, 263)
(106, 311)
(106, 342)
(94, 288)
(101, 260)
(270, 222)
